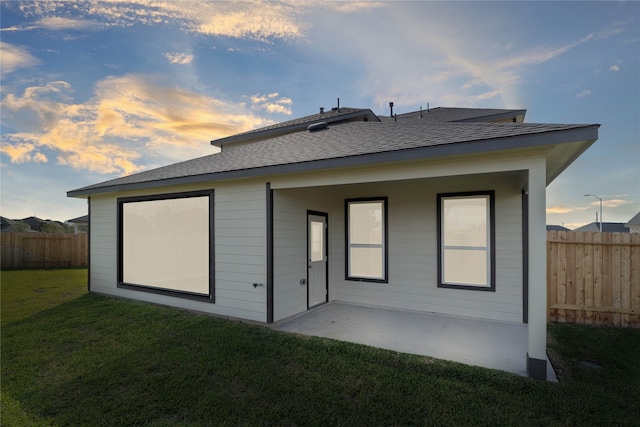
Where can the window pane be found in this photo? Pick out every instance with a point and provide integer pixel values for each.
(166, 244)
(366, 262)
(465, 221)
(317, 241)
(365, 223)
(465, 267)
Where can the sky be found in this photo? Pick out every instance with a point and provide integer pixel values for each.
(94, 90)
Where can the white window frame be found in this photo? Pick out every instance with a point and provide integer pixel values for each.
(384, 277)
(488, 247)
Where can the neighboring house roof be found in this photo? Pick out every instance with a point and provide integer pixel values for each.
(80, 220)
(557, 228)
(5, 224)
(634, 222)
(607, 227)
(34, 223)
(350, 143)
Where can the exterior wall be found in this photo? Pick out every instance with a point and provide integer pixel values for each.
(240, 250)
(290, 245)
(411, 189)
(412, 250)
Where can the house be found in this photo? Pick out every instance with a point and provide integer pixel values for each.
(439, 211)
(79, 224)
(634, 224)
(5, 224)
(14, 226)
(42, 225)
(34, 223)
(607, 227)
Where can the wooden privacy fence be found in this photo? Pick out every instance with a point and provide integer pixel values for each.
(593, 278)
(28, 250)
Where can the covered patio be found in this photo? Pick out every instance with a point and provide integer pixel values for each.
(485, 343)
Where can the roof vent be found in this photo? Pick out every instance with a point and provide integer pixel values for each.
(317, 126)
(321, 110)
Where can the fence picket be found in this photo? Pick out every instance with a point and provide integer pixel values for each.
(634, 279)
(29, 250)
(587, 281)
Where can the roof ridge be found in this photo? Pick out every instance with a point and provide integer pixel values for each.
(334, 115)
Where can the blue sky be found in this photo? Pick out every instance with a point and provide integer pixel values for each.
(94, 90)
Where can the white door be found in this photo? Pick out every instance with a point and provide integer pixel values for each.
(317, 259)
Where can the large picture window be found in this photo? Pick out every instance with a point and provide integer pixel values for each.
(366, 239)
(166, 244)
(466, 230)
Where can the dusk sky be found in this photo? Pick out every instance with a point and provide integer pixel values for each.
(93, 90)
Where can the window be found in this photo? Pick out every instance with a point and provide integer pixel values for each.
(366, 240)
(466, 241)
(166, 244)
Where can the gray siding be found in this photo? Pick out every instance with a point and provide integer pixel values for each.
(412, 223)
(240, 250)
(290, 245)
(413, 251)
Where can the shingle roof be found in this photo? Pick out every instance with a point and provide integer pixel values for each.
(448, 114)
(331, 116)
(635, 221)
(607, 227)
(80, 219)
(557, 228)
(346, 142)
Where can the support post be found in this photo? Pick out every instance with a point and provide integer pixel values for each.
(537, 327)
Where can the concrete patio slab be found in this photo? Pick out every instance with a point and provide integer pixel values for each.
(484, 343)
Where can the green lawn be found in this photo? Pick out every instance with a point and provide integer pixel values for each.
(71, 358)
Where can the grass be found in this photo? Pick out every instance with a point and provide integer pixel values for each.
(26, 292)
(88, 360)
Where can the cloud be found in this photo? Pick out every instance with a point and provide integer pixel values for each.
(14, 58)
(23, 152)
(57, 23)
(426, 59)
(539, 55)
(612, 203)
(562, 209)
(270, 104)
(614, 68)
(179, 58)
(583, 94)
(248, 19)
(132, 122)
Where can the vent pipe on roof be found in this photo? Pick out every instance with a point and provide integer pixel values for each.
(395, 117)
(338, 105)
(391, 107)
(421, 111)
(317, 126)
(427, 107)
(321, 110)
